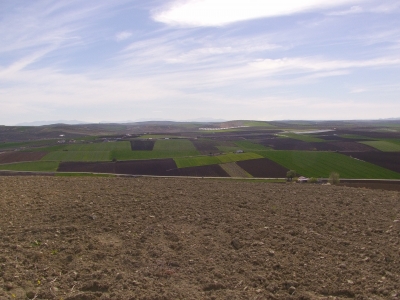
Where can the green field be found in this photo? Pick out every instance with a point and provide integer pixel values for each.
(257, 124)
(213, 160)
(39, 166)
(162, 149)
(77, 156)
(321, 164)
(250, 146)
(301, 137)
(131, 155)
(383, 146)
(157, 136)
(104, 146)
(28, 145)
(178, 145)
(355, 137)
(227, 149)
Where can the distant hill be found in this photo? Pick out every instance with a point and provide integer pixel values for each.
(42, 123)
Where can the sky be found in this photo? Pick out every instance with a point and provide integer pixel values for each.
(131, 60)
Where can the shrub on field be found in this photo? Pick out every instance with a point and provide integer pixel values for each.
(312, 180)
(334, 178)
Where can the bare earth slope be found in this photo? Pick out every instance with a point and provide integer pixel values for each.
(138, 238)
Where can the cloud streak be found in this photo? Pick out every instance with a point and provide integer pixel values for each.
(195, 13)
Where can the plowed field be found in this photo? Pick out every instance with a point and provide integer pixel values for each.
(10, 157)
(388, 160)
(137, 238)
(263, 168)
(142, 145)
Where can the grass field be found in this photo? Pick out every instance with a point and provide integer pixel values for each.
(125, 145)
(162, 149)
(39, 166)
(234, 170)
(131, 155)
(250, 146)
(185, 162)
(77, 156)
(175, 145)
(301, 137)
(383, 146)
(27, 144)
(257, 124)
(355, 137)
(157, 136)
(228, 149)
(321, 164)
(83, 175)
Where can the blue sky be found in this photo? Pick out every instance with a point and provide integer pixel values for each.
(181, 60)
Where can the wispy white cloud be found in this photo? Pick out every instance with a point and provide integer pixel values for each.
(387, 7)
(222, 12)
(124, 35)
(351, 10)
(316, 64)
(358, 90)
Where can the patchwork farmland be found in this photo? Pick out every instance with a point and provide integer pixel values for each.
(262, 150)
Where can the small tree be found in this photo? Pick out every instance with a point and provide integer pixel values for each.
(334, 178)
(290, 174)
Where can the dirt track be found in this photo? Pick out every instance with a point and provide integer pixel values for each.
(138, 238)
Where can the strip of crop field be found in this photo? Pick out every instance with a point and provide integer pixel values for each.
(301, 137)
(234, 170)
(228, 149)
(394, 141)
(185, 162)
(175, 145)
(46, 149)
(105, 146)
(250, 146)
(130, 155)
(321, 164)
(355, 137)
(157, 136)
(37, 166)
(383, 146)
(83, 175)
(77, 156)
(39, 143)
(232, 157)
(257, 124)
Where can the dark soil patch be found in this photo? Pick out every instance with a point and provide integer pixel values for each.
(142, 145)
(331, 137)
(286, 144)
(169, 238)
(353, 146)
(160, 167)
(11, 157)
(203, 171)
(292, 144)
(388, 160)
(371, 134)
(205, 146)
(263, 168)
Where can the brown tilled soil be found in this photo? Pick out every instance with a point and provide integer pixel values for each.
(11, 157)
(145, 238)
